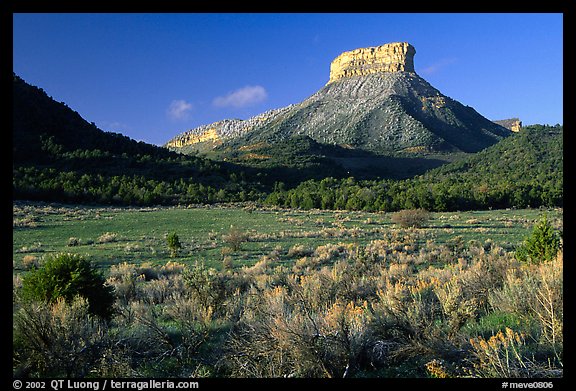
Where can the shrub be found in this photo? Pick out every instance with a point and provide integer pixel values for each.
(57, 340)
(534, 295)
(299, 251)
(234, 238)
(107, 237)
(174, 244)
(502, 355)
(227, 263)
(29, 262)
(411, 217)
(542, 245)
(66, 276)
(204, 285)
(72, 242)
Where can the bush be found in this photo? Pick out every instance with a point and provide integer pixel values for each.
(107, 237)
(235, 238)
(29, 262)
(57, 340)
(411, 217)
(174, 244)
(73, 242)
(67, 276)
(542, 245)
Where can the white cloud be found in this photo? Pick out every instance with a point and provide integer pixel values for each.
(179, 110)
(246, 96)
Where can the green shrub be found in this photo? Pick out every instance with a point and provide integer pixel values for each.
(67, 276)
(542, 245)
(174, 244)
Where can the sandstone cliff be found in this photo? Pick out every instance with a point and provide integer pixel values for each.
(513, 124)
(392, 57)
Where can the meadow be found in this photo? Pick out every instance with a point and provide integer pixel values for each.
(110, 235)
(268, 292)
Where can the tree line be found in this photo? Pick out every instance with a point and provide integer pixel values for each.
(525, 170)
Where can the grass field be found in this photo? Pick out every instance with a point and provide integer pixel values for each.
(111, 235)
(287, 293)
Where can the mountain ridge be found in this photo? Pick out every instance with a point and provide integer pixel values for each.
(109, 168)
(374, 102)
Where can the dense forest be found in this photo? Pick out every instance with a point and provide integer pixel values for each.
(523, 170)
(58, 156)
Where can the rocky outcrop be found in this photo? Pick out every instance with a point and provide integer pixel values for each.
(220, 131)
(513, 124)
(392, 57)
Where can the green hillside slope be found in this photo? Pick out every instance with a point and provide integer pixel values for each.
(523, 170)
(59, 156)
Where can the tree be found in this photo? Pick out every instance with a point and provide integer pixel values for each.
(174, 244)
(542, 245)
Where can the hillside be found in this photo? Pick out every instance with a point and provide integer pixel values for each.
(43, 127)
(523, 170)
(59, 156)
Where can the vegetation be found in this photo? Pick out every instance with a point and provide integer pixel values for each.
(65, 276)
(493, 178)
(322, 282)
(411, 218)
(173, 242)
(542, 245)
(60, 157)
(324, 294)
(111, 235)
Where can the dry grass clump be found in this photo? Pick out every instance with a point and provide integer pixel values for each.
(411, 218)
(61, 339)
(25, 222)
(299, 251)
(30, 262)
(107, 237)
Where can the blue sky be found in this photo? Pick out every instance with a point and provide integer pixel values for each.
(153, 76)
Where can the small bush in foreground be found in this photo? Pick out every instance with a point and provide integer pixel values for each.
(57, 340)
(67, 276)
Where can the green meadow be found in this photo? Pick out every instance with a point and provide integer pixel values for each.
(113, 235)
(262, 292)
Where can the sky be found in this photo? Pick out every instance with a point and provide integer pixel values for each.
(154, 76)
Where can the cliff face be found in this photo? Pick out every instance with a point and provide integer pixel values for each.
(217, 132)
(392, 57)
(513, 124)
